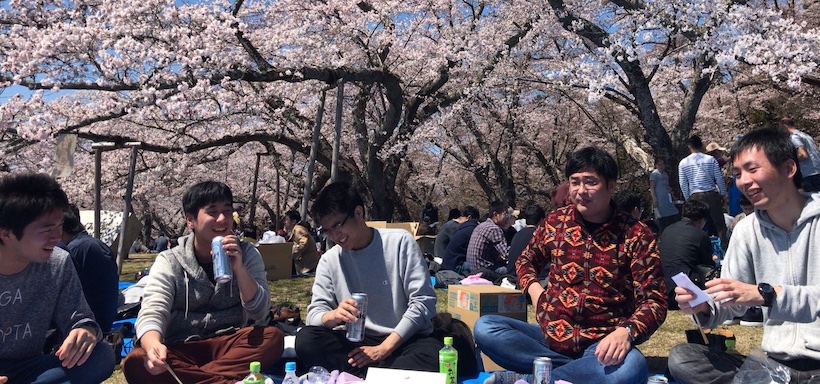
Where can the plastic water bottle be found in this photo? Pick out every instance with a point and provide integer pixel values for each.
(448, 361)
(290, 374)
(255, 377)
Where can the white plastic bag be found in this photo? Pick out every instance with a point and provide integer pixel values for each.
(757, 369)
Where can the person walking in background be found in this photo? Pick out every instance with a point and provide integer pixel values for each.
(305, 254)
(96, 267)
(39, 288)
(807, 154)
(771, 262)
(197, 326)
(605, 291)
(663, 206)
(701, 179)
(387, 265)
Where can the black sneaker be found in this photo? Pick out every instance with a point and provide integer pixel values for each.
(753, 317)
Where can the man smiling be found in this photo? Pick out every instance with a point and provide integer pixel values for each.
(38, 287)
(189, 323)
(388, 266)
(771, 261)
(605, 292)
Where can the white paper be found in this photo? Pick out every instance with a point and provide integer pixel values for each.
(385, 375)
(683, 281)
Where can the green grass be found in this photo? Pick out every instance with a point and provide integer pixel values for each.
(296, 291)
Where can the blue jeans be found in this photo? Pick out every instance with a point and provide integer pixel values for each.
(48, 368)
(513, 344)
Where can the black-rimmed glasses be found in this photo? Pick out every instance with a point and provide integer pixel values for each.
(326, 231)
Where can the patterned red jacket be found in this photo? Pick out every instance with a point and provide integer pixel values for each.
(597, 281)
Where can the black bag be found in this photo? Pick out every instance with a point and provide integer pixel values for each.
(447, 277)
(445, 325)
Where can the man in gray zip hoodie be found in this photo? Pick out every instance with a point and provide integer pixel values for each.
(772, 261)
(191, 324)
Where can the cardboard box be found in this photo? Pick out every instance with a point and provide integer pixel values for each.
(411, 227)
(278, 259)
(469, 302)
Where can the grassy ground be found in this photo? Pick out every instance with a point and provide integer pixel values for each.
(297, 292)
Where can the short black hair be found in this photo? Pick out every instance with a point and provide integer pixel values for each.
(471, 212)
(454, 214)
(695, 142)
(533, 214)
(627, 200)
(775, 144)
(203, 194)
(25, 197)
(71, 220)
(694, 210)
(595, 158)
(498, 207)
(294, 216)
(338, 197)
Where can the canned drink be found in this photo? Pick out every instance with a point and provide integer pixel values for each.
(222, 266)
(542, 370)
(355, 330)
(657, 379)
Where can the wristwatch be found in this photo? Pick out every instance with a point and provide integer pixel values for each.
(768, 293)
(632, 337)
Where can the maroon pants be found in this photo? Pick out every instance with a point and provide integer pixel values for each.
(221, 359)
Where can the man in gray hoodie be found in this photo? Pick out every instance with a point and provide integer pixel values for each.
(189, 323)
(388, 266)
(39, 287)
(771, 261)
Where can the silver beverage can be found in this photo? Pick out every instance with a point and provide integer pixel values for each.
(222, 266)
(542, 370)
(355, 330)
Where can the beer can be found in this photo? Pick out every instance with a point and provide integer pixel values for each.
(355, 330)
(542, 370)
(222, 266)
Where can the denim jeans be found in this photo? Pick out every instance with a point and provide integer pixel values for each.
(514, 344)
(49, 369)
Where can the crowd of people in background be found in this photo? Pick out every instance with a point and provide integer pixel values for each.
(597, 263)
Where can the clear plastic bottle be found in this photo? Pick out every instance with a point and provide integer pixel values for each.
(256, 376)
(290, 374)
(448, 361)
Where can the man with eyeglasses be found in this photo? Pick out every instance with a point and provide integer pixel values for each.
(605, 291)
(388, 266)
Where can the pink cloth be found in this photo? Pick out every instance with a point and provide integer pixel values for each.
(475, 280)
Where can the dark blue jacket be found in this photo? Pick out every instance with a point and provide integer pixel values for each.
(456, 252)
(97, 268)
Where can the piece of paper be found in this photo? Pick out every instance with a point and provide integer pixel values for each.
(385, 375)
(683, 281)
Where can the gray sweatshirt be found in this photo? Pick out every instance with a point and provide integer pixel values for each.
(761, 252)
(182, 304)
(391, 271)
(32, 299)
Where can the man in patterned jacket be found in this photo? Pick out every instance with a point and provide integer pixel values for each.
(605, 292)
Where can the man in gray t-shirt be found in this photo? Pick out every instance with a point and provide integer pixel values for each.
(807, 154)
(39, 287)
